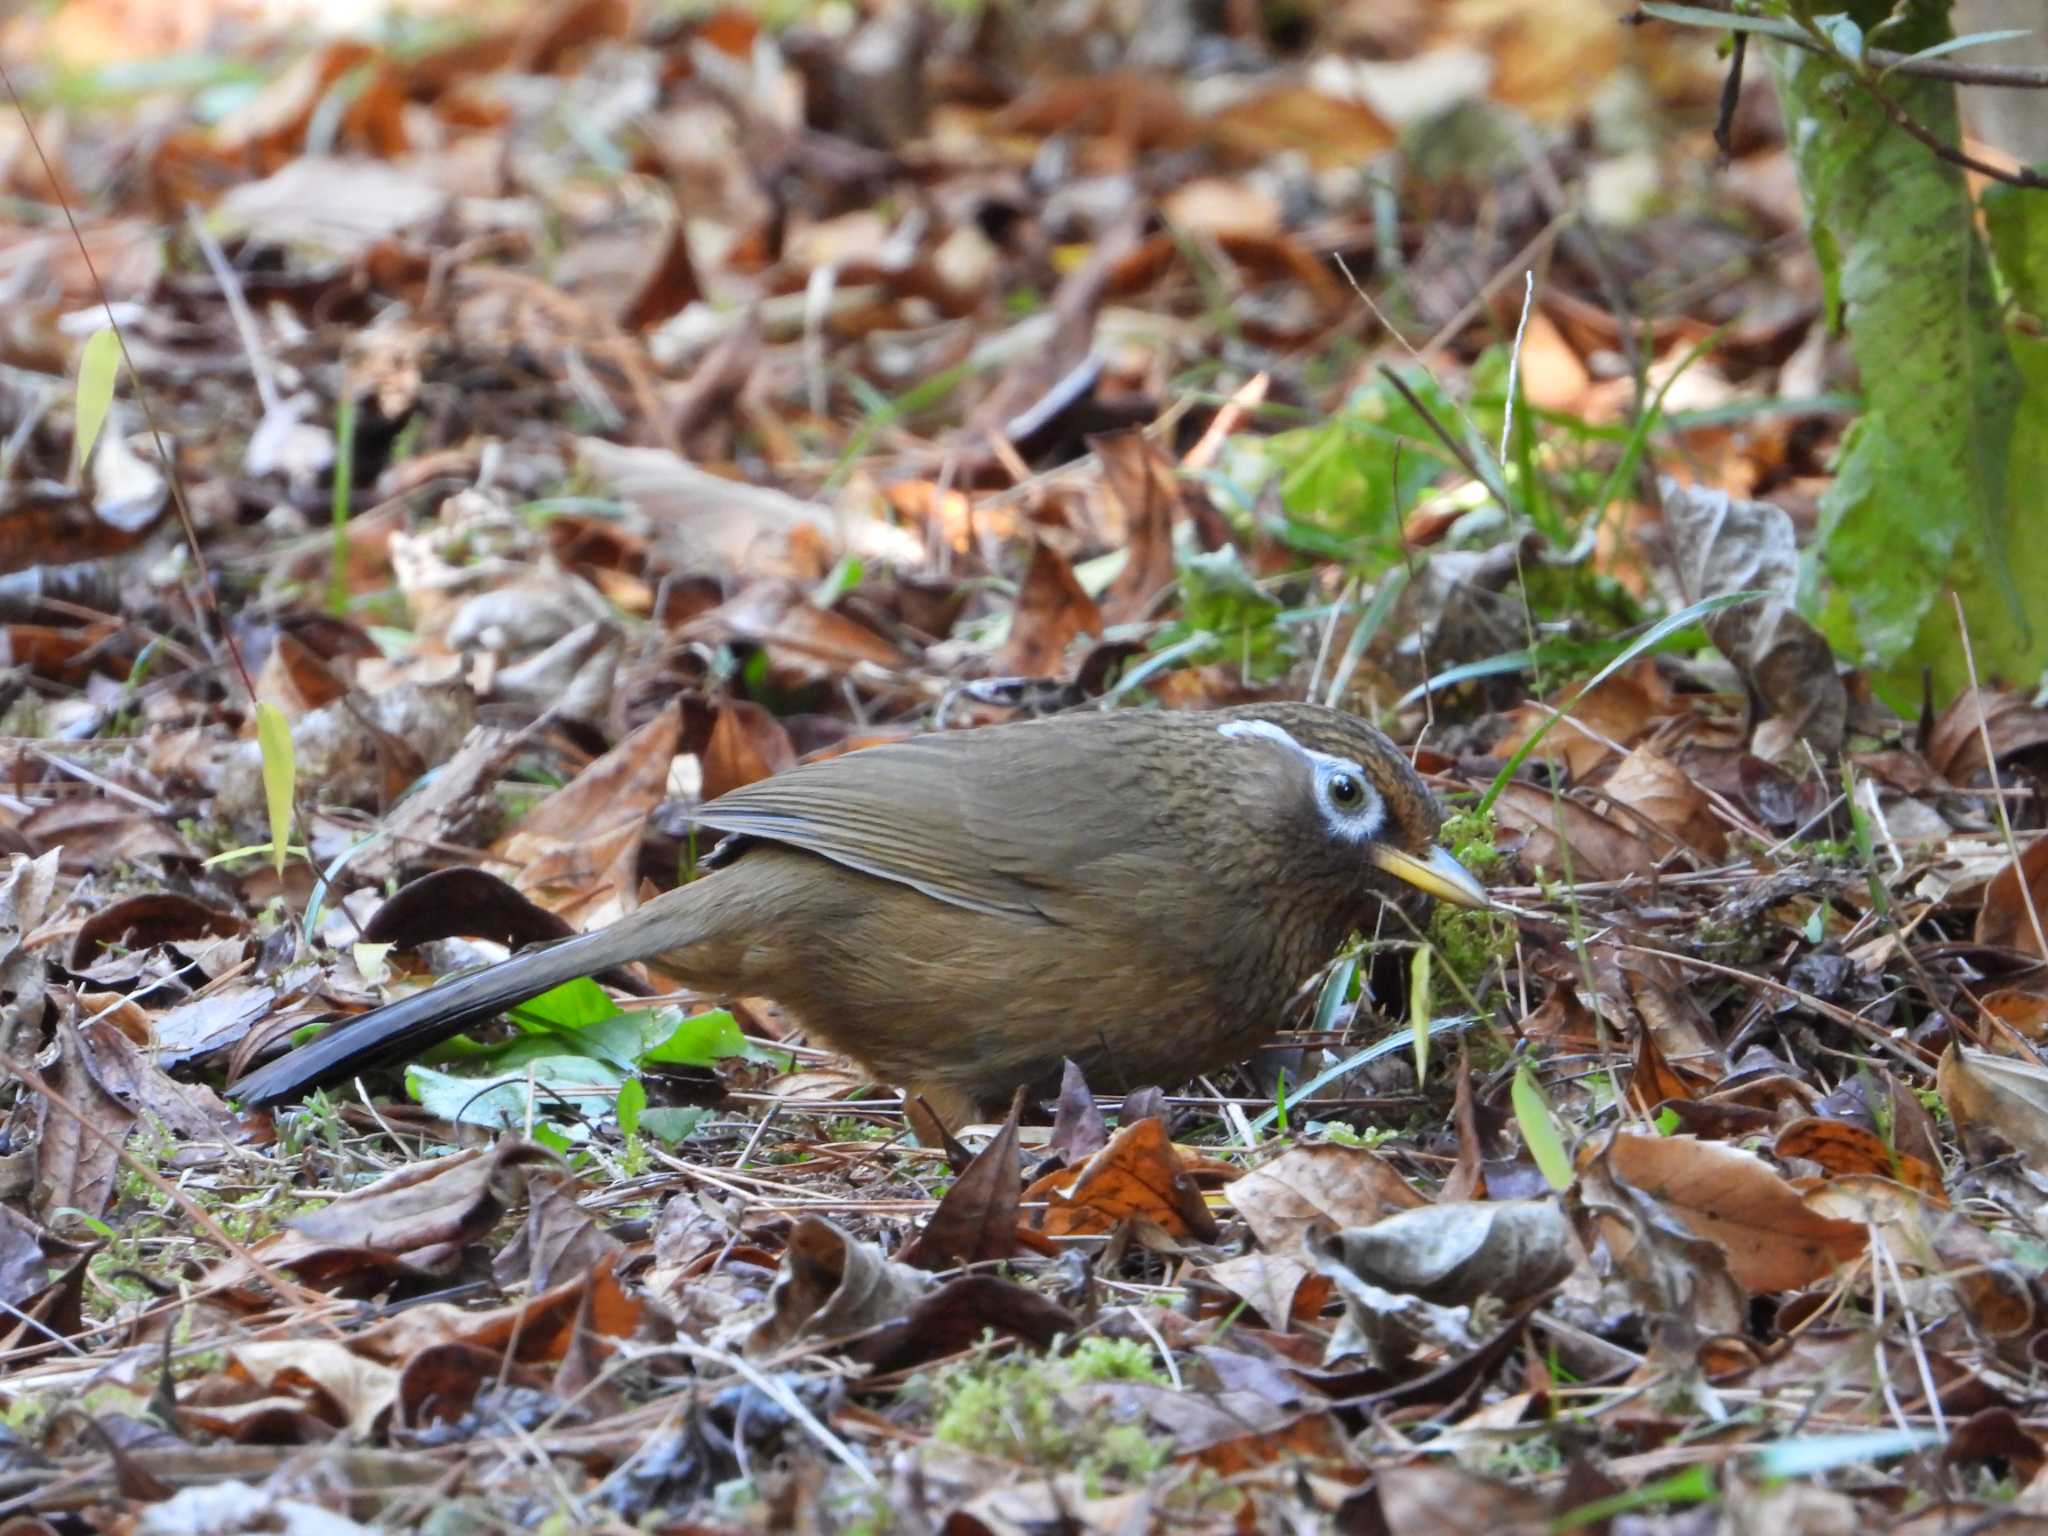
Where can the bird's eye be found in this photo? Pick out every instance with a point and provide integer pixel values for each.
(1346, 793)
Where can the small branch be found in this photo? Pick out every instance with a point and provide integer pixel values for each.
(1942, 149)
(2019, 77)
(1866, 71)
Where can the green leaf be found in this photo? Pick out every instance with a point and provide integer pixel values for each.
(1227, 617)
(1927, 496)
(1690, 1485)
(573, 1005)
(280, 776)
(343, 489)
(99, 364)
(1335, 994)
(699, 1041)
(673, 1125)
(632, 1101)
(1539, 1129)
(573, 1092)
(1958, 44)
(1418, 1010)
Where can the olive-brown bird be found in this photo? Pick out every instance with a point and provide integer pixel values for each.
(959, 912)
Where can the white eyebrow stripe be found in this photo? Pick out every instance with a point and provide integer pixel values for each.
(1265, 728)
(1361, 828)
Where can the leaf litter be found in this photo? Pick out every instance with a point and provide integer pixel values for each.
(718, 395)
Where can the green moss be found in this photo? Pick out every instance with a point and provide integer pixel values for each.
(1105, 1359)
(1015, 1409)
(1469, 836)
(856, 1128)
(1472, 944)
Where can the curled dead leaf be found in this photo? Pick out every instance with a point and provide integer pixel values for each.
(831, 1285)
(1724, 545)
(1454, 1254)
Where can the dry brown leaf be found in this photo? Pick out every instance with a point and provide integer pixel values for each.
(746, 744)
(296, 680)
(1324, 1182)
(2012, 724)
(1722, 545)
(1297, 118)
(1773, 1242)
(1924, 1235)
(801, 637)
(1660, 792)
(957, 1316)
(1842, 1148)
(1145, 485)
(1596, 728)
(588, 831)
(81, 1125)
(2015, 910)
(2021, 1010)
(425, 1205)
(1677, 1277)
(558, 1239)
(1997, 1094)
(1560, 835)
(340, 1384)
(976, 1222)
(592, 1304)
(1554, 378)
(1078, 1129)
(1654, 1081)
(1279, 1288)
(1138, 1175)
(1051, 612)
(1427, 1499)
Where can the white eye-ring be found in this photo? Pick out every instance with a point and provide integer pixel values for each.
(1351, 808)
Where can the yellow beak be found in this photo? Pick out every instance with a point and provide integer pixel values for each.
(1436, 872)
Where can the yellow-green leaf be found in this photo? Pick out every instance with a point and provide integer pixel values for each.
(99, 363)
(1418, 1010)
(1539, 1129)
(280, 773)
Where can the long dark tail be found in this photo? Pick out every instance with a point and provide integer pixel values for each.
(415, 1024)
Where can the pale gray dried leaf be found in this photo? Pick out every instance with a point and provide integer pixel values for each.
(1722, 545)
(1385, 1326)
(706, 523)
(334, 206)
(26, 886)
(573, 677)
(1456, 1253)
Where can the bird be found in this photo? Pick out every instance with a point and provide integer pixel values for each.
(1142, 892)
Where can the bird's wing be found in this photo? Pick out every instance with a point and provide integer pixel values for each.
(997, 820)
